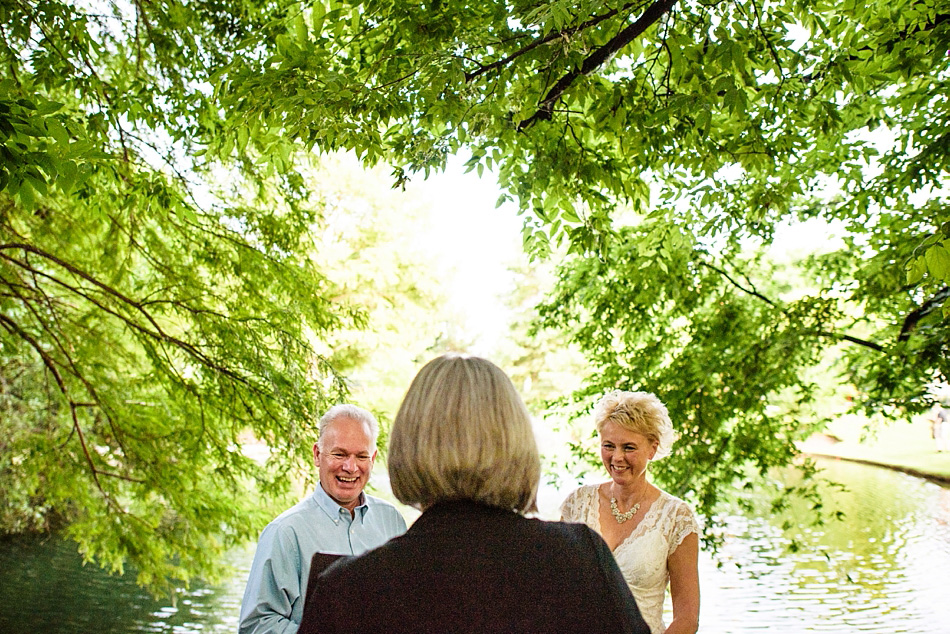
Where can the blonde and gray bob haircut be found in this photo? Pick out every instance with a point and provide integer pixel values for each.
(639, 412)
(463, 433)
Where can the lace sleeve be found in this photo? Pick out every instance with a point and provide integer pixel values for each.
(683, 523)
(571, 508)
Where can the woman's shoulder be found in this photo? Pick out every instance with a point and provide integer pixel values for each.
(672, 500)
(678, 510)
(575, 505)
(584, 491)
(569, 534)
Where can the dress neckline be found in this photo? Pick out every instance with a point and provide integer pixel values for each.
(634, 533)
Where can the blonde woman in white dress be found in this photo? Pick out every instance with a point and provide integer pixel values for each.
(654, 536)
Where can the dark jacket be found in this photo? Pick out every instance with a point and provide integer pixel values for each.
(464, 567)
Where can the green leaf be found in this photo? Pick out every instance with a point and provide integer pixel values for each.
(317, 15)
(300, 27)
(57, 130)
(937, 258)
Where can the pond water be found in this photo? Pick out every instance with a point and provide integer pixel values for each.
(885, 568)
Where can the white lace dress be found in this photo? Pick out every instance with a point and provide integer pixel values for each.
(642, 556)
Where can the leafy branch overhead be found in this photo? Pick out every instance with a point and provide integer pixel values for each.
(668, 146)
(144, 336)
(638, 98)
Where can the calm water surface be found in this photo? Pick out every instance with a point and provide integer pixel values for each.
(886, 568)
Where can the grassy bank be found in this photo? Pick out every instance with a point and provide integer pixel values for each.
(904, 445)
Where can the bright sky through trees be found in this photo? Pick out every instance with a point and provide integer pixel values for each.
(477, 243)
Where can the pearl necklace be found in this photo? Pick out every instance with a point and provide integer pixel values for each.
(622, 517)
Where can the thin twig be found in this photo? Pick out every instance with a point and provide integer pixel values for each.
(748, 291)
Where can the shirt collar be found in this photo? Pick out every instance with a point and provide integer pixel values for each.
(332, 509)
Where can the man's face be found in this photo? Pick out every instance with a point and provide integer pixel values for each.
(344, 456)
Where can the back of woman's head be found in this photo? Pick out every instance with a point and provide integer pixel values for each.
(463, 433)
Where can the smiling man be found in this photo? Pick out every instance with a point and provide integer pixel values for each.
(338, 518)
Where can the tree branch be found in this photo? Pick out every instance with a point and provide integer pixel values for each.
(64, 350)
(158, 333)
(547, 38)
(768, 41)
(913, 317)
(599, 57)
(50, 364)
(856, 340)
(752, 291)
(821, 333)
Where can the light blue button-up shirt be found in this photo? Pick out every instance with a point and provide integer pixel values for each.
(277, 585)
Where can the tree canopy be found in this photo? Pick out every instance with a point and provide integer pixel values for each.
(157, 294)
(666, 144)
(155, 309)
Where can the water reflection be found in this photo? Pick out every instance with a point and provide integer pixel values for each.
(44, 587)
(883, 569)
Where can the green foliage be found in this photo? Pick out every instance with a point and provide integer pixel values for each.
(706, 340)
(666, 145)
(544, 365)
(144, 335)
(663, 145)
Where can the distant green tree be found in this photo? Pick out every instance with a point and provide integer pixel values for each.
(373, 247)
(544, 363)
(665, 144)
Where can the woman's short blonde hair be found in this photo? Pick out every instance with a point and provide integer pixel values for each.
(640, 412)
(463, 433)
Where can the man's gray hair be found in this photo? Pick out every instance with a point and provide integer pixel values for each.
(346, 410)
